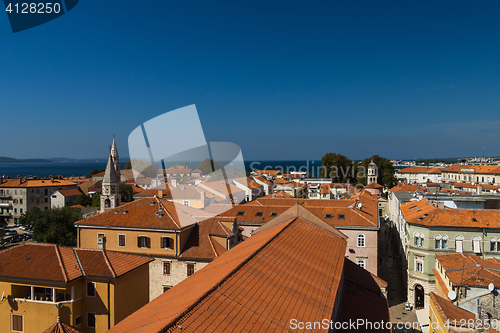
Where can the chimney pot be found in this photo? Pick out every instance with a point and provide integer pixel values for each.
(160, 193)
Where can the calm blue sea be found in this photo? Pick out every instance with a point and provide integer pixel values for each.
(67, 169)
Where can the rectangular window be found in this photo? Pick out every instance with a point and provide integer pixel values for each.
(416, 241)
(121, 240)
(341, 216)
(21, 201)
(91, 320)
(274, 214)
(438, 244)
(186, 202)
(143, 241)
(328, 216)
(458, 245)
(190, 269)
(259, 214)
(166, 268)
(78, 321)
(90, 289)
(421, 242)
(17, 323)
(444, 243)
(493, 246)
(240, 213)
(166, 243)
(419, 264)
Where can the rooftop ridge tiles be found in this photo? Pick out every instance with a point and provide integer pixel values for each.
(186, 311)
(108, 263)
(79, 263)
(58, 254)
(212, 245)
(168, 213)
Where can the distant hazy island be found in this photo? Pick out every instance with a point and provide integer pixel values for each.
(16, 160)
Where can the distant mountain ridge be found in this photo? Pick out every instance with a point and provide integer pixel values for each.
(4, 159)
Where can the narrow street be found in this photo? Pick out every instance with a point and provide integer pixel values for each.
(391, 271)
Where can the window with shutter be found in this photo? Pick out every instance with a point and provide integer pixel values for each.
(190, 269)
(166, 268)
(17, 323)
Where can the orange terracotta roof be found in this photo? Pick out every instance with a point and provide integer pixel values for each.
(245, 288)
(278, 195)
(61, 328)
(423, 214)
(70, 193)
(253, 214)
(267, 172)
(36, 183)
(263, 180)
(147, 213)
(420, 170)
(247, 182)
(466, 270)
(403, 187)
(450, 312)
(201, 243)
(440, 281)
(221, 187)
(490, 169)
(374, 185)
(77, 206)
(49, 262)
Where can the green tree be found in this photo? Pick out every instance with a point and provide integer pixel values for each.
(338, 167)
(30, 216)
(126, 191)
(207, 166)
(386, 171)
(230, 174)
(93, 172)
(96, 199)
(128, 165)
(54, 226)
(83, 200)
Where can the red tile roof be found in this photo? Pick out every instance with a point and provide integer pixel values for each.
(450, 312)
(142, 213)
(28, 183)
(491, 169)
(245, 288)
(201, 243)
(403, 187)
(421, 170)
(70, 193)
(49, 262)
(419, 212)
(466, 270)
(61, 328)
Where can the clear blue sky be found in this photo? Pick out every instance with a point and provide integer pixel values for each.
(282, 79)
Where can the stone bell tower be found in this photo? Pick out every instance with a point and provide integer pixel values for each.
(110, 196)
(372, 173)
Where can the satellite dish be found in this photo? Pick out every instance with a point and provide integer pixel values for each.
(491, 287)
(452, 295)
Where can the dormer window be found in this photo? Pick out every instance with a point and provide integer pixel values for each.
(341, 217)
(328, 216)
(240, 214)
(273, 214)
(259, 214)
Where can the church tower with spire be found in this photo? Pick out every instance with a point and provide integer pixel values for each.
(110, 196)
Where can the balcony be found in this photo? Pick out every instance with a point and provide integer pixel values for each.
(5, 205)
(40, 295)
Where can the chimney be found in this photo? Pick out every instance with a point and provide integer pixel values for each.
(51, 179)
(479, 189)
(441, 205)
(160, 193)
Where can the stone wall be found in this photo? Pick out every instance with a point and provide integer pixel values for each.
(178, 273)
(426, 284)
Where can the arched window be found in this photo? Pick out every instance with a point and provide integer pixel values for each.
(416, 235)
(476, 244)
(437, 239)
(493, 244)
(107, 203)
(361, 240)
(459, 244)
(444, 242)
(421, 240)
(361, 263)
